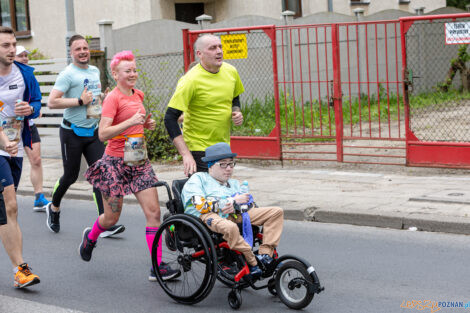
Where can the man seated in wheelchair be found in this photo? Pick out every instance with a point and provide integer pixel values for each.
(216, 199)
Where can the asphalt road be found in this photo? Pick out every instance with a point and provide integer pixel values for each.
(363, 269)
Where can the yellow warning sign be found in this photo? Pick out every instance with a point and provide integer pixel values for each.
(234, 46)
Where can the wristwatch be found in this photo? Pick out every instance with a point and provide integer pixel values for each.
(80, 101)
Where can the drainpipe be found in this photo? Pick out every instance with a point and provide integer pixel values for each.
(330, 5)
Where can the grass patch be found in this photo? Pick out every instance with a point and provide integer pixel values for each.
(317, 118)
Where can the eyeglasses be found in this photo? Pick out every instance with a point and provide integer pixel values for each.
(224, 164)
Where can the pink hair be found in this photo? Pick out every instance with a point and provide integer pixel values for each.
(121, 56)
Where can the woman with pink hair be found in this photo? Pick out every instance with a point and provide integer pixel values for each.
(124, 167)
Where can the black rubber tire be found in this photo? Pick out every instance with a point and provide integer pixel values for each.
(206, 264)
(235, 299)
(285, 275)
(213, 260)
(168, 234)
(272, 287)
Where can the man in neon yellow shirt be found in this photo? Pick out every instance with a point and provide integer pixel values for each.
(208, 94)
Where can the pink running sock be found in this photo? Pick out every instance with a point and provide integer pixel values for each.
(150, 236)
(96, 230)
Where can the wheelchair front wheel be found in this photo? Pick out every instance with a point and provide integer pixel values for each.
(294, 285)
(272, 287)
(235, 299)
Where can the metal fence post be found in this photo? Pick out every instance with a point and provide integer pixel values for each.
(337, 93)
(70, 18)
(186, 50)
(106, 36)
(288, 17)
(277, 110)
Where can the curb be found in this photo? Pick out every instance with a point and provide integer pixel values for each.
(445, 224)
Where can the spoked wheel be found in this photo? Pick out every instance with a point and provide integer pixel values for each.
(293, 285)
(194, 257)
(169, 234)
(235, 299)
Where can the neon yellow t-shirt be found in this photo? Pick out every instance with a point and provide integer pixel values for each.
(206, 100)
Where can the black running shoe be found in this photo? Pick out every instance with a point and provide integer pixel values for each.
(87, 245)
(53, 219)
(167, 272)
(113, 230)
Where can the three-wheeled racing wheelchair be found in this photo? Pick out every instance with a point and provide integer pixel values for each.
(202, 255)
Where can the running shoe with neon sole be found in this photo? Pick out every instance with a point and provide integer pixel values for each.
(24, 277)
(53, 219)
(167, 272)
(40, 204)
(86, 247)
(113, 230)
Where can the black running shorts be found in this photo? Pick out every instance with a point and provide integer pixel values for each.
(35, 134)
(3, 211)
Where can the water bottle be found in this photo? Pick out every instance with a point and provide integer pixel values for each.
(19, 118)
(244, 189)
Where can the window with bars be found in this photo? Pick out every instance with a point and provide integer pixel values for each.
(187, 12)
(294, 6)
(15, 14)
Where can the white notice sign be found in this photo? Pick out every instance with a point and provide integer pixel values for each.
(457, 33)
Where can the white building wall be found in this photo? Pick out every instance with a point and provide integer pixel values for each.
(374, 6)
(48, 23)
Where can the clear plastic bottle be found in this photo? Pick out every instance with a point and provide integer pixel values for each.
(244, 188)
(19, 118)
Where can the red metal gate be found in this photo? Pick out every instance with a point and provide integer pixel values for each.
(437, 133)
(258, 72)
(342, 92)
(340, 87)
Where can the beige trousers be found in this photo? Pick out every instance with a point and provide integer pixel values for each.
(271, 218)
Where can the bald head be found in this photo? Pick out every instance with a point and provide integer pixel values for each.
(203, 40)
(209, 51)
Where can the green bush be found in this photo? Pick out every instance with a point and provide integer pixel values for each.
(35, 54)
(159, 145)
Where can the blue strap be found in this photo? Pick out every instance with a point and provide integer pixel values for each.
(247, 230)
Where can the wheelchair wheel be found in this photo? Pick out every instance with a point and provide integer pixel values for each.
(235, 299)
(169, 240)
(272, 287)
(293, 285)
(193, 256)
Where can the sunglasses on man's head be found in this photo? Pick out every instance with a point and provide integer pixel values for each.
(225, 164)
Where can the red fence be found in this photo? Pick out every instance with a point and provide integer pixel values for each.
(436, 135)
(340, 94)
(261, 46)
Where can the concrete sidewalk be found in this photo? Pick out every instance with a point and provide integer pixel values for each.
(394, 197)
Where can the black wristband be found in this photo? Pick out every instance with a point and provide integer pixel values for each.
(80, 101)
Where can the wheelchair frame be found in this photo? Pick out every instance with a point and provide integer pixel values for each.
(191, 241)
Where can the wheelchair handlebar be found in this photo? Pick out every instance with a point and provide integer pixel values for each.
(161, 183)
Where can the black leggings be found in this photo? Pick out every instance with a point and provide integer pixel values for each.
(73, 147)
(201, 166)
